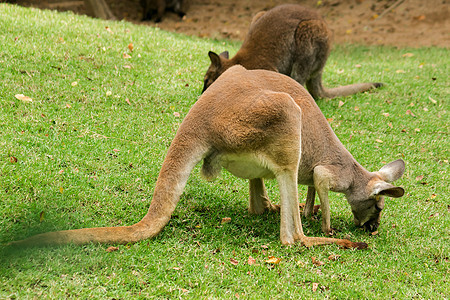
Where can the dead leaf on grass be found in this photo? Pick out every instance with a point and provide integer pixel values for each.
(126, 55)
(112, 249)
(409, 112)
(13, 159)
(234, 261)
(273, 260)
(432, 100)
(315, 285)
(109, 30)
(317, 262)
(130, 47)
(23, 98)
(251, 261)
(341, 103)
(420, 177)
(225, 220)
(334, 257)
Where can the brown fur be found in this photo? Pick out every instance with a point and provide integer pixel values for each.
(257, 124)
(289, 39)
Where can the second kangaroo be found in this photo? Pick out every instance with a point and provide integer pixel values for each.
(289, 39)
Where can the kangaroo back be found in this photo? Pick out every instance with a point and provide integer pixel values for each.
(289, 39)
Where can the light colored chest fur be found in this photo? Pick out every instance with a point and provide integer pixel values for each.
(247, 165)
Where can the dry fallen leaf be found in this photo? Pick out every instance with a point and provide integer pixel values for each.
(225, 220)
(234, 261)
(13, 159)
(251, 260)
(126, 55)
(408, 55)
(385, 114)
(317, 262)
(420, 177)
(23, 98)
(128, 101)
(315, 285)
(109, 30)
(176, 114)
(273, 260)
(130, 47)
(334, 257)
(409, 112)
(112, 249)
(375, 232)
(378, 141)
(341, 103)
(400, 71)
(432, 100)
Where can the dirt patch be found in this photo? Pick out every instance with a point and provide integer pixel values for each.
(407, 23)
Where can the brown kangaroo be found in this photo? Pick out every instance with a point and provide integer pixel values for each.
(289, 39)
(256, 124)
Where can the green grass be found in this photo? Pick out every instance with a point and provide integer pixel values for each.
(85, 157)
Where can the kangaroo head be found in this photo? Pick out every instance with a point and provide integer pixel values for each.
(219, 64)
(367, 203)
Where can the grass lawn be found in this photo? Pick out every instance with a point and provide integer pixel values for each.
(106, 101)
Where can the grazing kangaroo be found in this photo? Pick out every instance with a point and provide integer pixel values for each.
(150, 7)
(256, 124)
(289, 39)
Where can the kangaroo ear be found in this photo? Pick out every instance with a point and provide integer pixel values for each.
(225, 54)
(215, 59)
(392, 171)
(386, 189)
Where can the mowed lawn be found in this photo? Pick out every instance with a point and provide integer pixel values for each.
(88, 109)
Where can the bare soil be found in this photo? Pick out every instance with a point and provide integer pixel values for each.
(401, 23)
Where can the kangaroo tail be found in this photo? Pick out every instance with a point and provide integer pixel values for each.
(182, 156)
(317, 90)
(351, 89)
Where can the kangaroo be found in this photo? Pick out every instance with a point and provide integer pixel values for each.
(150, 7)
(289, 39)
(257, 124)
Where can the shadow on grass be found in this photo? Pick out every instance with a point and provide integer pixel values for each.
(212, 219)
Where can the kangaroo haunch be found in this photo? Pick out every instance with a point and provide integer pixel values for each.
(289, 39)
(257, 124)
